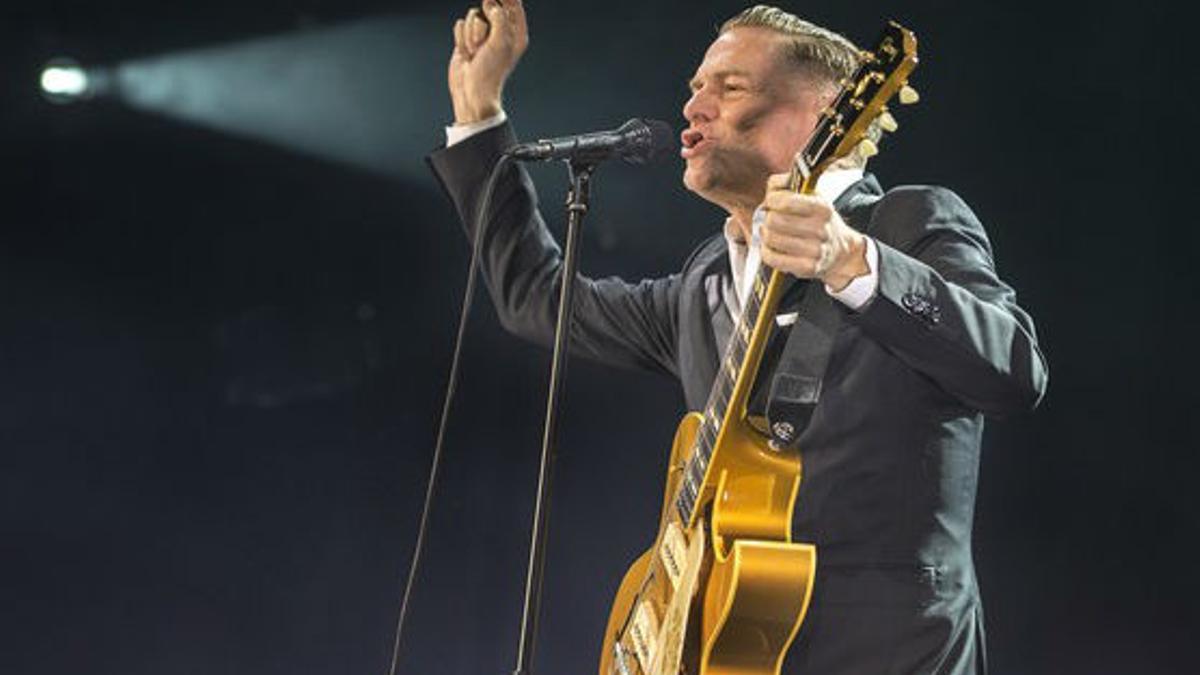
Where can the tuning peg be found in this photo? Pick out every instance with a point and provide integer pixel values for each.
(908, 95)
(866, 148)
(887, 122)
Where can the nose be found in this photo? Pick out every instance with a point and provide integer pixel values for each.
(700, 107)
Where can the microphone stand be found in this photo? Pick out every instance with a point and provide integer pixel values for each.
(577, 206)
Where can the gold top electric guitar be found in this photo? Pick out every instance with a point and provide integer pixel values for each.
(723, 590)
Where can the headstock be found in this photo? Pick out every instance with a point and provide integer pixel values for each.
(857, 119)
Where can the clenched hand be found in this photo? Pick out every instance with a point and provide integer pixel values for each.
(488, 42)
(804, 236)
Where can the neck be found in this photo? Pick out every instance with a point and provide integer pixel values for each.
(740, 223)
(741, 214)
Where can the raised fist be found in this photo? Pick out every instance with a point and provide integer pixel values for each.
(488, 42)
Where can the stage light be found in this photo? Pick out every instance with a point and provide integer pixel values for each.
(369, 93)
(64, 81)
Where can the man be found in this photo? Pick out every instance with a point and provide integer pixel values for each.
(928, 338)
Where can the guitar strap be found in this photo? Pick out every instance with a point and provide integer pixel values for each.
(800, 371)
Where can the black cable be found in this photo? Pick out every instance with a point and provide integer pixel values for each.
(451, 386)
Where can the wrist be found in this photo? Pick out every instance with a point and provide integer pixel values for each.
(851, 265)
(470, 114)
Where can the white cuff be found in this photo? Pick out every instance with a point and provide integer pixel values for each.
(460, 132)
(860, 289)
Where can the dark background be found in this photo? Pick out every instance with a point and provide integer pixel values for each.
(221, 359)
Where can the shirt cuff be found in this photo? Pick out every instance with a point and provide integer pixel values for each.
(460, 132)
(860, 289)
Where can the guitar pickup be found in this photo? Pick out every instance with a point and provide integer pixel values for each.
(673, 553)
(644, 633)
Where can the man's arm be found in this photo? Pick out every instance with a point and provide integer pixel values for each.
(935, 299)
(631, 325)
(941, 307)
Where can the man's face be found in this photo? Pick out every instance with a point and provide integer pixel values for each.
(749, 114)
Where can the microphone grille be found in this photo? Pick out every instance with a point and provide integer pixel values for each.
(655, 139)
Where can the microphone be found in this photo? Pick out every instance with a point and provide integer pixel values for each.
(637, 141)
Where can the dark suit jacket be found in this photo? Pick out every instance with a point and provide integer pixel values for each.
(891, 455)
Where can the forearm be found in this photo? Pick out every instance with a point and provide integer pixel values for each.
(623, 324)
(941, 308)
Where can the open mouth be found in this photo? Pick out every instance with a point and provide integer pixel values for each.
(693, 141)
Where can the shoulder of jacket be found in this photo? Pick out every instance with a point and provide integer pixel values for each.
(708, 251)
(907, 212)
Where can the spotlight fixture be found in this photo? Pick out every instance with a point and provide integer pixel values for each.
(65, 81)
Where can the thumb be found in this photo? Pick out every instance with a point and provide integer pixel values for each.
(493, 10)
(499, 21)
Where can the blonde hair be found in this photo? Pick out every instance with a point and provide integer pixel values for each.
(818, 52)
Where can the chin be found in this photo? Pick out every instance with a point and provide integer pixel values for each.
(696, 179)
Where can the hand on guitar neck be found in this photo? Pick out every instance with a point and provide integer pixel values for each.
(803, 235)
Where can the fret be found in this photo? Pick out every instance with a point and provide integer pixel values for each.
(706, 450)
(750, 314)
(681, 510)
(731, 366)
(738, 348)
(724, 391)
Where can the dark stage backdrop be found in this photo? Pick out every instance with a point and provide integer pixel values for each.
(222, 354)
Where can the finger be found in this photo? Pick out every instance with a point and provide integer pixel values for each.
(783, 224)
(498, 17)
(514, 20)
(783, 234)
(801, 266)
(794, 203)
(477, 28)
(514, 9)
(465, 36)
(459, 43)
(799, 247)
(779, 181)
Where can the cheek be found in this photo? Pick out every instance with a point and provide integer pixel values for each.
(777, 135)
(750, 119)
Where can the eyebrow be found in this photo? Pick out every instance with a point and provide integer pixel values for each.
(720, 74)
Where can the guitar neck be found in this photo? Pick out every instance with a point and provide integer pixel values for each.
(730, 395)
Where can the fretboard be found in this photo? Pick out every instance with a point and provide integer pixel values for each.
(731, 388)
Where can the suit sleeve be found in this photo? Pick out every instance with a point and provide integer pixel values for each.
(619, 323)
(941, 307)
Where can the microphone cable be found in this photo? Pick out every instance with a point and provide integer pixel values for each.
(451, 387)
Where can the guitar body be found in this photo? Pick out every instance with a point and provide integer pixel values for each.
(751, 595)
(760, 583)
